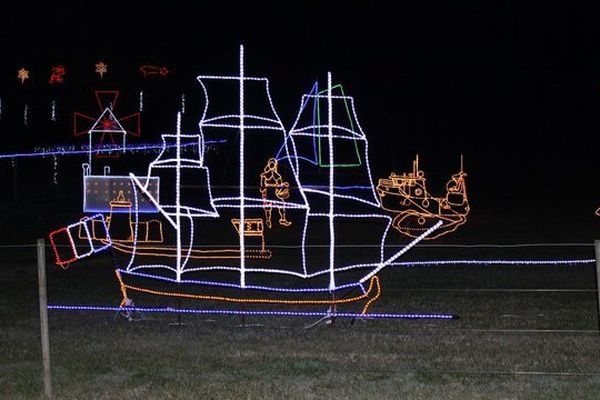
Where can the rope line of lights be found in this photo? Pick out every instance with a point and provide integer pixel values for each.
(64, 152)
(62, 307)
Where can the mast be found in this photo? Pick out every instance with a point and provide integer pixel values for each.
(331, 186)
(178, 195)
(242, 213)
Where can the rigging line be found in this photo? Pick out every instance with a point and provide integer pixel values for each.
(491, 290)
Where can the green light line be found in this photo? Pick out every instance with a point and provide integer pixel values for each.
(349, 115)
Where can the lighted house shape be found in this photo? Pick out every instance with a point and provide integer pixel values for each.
(107, 134)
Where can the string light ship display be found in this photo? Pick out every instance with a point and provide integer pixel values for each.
(288, 218)
(416, 210)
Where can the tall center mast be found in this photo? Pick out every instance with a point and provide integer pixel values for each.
(331, 186)
(242, 211)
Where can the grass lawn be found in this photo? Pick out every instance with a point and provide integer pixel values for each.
(507, 343)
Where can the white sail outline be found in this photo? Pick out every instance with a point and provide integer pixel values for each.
(331, 215)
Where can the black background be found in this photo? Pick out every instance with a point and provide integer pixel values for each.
(514, 87)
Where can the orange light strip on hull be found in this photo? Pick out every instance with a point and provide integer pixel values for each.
(171, 252)
(373, 285)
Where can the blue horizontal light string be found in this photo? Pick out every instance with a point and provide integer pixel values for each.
(247, 312)
(65, 152)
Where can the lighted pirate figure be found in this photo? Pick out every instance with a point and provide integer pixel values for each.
(272, 182)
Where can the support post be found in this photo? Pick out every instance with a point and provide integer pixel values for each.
(41, 264)
(15, 182)
(597, 251)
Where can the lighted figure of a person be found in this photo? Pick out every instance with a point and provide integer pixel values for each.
(455, 184)
(271, 183)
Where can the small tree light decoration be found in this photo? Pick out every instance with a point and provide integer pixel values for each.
(23, 75)
(101, 69)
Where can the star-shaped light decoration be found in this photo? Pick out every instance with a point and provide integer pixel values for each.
(23, 75)
(101, 68)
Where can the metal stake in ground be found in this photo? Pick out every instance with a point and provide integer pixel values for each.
(41, 264)
(597, 248)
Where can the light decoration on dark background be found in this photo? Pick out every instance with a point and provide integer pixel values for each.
(107, 124)
(57, 74)
(55, 169)
(101, 69)
(250, 313)
(77, 235)
(153, 70)
(416, 209)
(23, 75)
(257, 133)
(53, 111)
(72, 150)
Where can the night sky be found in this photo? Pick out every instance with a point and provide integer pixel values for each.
(515, 88)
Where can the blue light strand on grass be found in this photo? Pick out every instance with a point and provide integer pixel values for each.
(249, 313)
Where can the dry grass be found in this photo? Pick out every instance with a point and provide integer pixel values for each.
(492, 351)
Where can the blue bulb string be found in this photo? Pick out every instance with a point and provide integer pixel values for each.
(64, 307)
(69, 150)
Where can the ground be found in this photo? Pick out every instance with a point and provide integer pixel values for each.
(521, 333)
